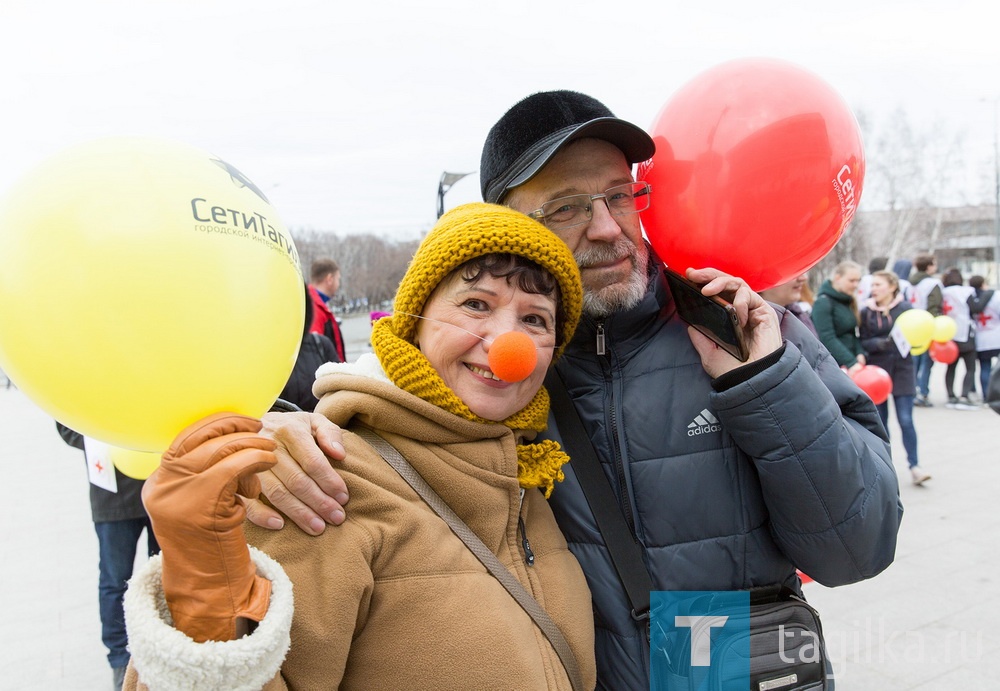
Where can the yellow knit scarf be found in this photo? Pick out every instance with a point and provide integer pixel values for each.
(538, 465)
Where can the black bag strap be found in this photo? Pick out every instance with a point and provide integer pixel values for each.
(478, 548)
(625, 550)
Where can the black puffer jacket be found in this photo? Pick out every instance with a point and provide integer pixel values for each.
(314, 351)
(725, 490)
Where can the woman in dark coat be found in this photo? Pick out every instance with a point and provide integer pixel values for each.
(878, 316)
(835, 315)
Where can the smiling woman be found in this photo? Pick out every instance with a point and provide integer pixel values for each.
(394, 594)
(485, 303)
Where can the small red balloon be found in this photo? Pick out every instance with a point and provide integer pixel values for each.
(758, 169)
(513, 356)
(875, 382)
(946, 352)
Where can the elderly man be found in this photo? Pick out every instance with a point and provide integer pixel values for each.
(796, 473)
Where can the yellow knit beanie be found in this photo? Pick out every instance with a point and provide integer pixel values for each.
(470, 231)
(464, 233)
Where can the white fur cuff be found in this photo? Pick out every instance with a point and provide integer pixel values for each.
(366, 365)
(165, 658)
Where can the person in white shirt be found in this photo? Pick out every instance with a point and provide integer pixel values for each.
(985, 308)
(926, 296)
(955, 297)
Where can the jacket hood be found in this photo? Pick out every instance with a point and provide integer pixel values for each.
(903, 268)
(834, 294)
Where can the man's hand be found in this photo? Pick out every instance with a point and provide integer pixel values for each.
(758, 321)
(303, 485)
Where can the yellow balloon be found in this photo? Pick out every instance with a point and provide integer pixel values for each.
(944, 328)
(135, 464)
(918, 327)
(145, 284)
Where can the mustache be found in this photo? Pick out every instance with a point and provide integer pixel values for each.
(621, 248)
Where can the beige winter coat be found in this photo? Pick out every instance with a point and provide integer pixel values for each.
(392, 598)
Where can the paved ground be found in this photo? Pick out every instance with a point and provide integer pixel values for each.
(929, 621)
(926, 623)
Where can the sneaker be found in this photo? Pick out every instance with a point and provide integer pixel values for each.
(965, 404)
(922, 402)
(919, 476)
(117, 677)
(952, 402)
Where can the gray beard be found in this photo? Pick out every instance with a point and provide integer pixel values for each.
(621, 296)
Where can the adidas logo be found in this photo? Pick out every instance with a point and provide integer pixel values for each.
(703, 423)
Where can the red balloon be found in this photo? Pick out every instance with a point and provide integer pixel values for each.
(875, 382)
(946, 352)
(758, 169)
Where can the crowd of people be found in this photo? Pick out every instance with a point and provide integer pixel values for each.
(975, 308)
(855, 314)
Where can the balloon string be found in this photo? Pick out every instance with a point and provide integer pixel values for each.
(454, 326)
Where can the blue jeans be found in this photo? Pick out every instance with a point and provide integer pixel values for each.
(985, 358)
(118, 542)
(904, 416)
(923, 363)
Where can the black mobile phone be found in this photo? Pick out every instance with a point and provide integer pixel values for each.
(711, 315)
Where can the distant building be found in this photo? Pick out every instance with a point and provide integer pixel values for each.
(968, 240)
(964, 236)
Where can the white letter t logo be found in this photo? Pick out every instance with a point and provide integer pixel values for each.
(701, 637)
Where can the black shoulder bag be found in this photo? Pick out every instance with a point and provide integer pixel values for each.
(775, 611)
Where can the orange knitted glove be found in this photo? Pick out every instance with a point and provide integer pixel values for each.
(208, 578)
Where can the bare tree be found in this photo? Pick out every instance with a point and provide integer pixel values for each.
(911, 174)
(920, 170)
(371, 267)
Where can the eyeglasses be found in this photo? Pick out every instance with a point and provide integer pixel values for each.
(577, 209)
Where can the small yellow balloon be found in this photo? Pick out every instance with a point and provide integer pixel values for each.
(135, 464)
(145, 284)
(918, 327)
(945, 328)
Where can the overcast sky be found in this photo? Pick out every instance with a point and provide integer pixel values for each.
(346, 113)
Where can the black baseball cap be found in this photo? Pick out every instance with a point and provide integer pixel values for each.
(537, 127)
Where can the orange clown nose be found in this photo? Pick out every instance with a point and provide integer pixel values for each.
(513, 356)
